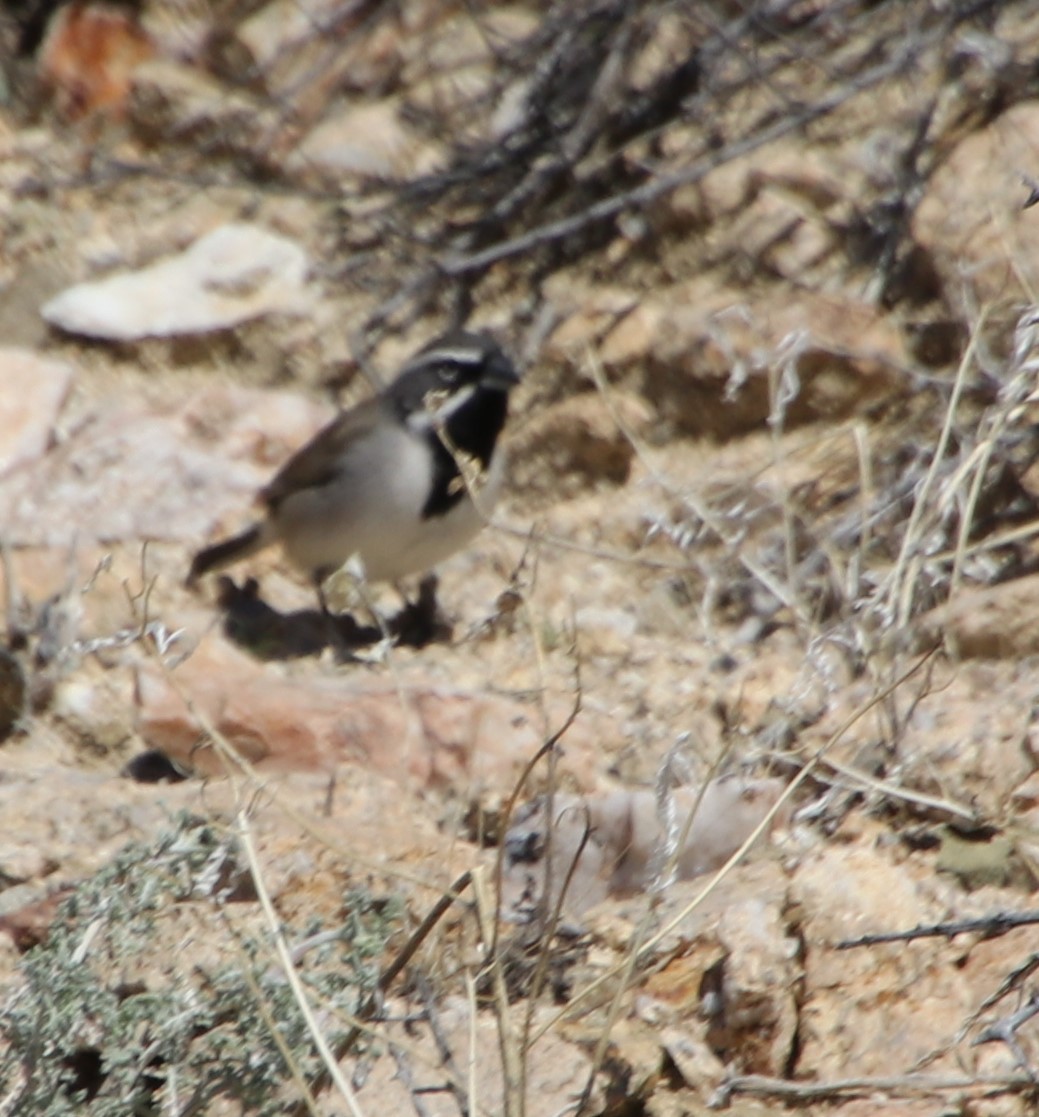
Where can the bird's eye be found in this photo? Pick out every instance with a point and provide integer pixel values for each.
(449, 374)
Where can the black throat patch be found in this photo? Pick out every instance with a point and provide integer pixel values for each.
(471, 432)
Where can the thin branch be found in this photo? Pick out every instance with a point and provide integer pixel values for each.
(989, 926)
(760, 1085)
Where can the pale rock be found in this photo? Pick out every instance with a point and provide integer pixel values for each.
(98, 708)
(64, 824)
(963, 747)
(260, 427)
(907, 993)
(556, 1073)
(72, 816)
(19, 862)
(698, 1065)
(125, 477)
(424, 737)
(987, 963)
(369, 141)
(179, 28)
(310, 51)
(233, 274)
(34, 391)
(629, 837)
(313, 53)
(511, 109)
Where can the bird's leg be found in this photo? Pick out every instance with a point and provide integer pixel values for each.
(420, 622)
(333, 630)
(346, 634)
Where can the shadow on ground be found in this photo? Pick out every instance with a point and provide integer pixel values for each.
(258, 628)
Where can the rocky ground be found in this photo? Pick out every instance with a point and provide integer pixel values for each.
(757, 613)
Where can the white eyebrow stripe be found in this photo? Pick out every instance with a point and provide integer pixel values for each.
(459, 356)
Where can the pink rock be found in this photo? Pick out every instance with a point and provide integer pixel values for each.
(132, 473)
(34, 390)
(423, 736)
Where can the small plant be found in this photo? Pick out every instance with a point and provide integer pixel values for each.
(104, 1024)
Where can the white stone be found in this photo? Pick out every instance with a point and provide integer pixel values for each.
(231, 275)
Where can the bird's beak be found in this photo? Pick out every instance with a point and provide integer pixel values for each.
(499, 373)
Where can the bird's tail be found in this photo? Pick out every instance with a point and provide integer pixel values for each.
(224, 553)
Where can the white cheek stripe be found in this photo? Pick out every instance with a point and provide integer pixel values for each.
(425, 419)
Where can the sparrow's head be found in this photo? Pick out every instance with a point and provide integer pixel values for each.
(457, 371)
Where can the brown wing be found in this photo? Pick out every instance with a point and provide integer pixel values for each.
(318, 461)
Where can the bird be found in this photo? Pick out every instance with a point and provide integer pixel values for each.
(402, 481)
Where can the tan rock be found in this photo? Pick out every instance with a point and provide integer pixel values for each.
(574, 446)
(726, 970)
(780, 233)
(174, 101)
(989, 622)
(713, 365)
(455, 67)
(97, 707)
(971, 218)
(273, 30)
(633, 338)
(34, 390)
(587, 316)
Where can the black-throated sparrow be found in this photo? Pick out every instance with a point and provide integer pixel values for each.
(384, 481)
